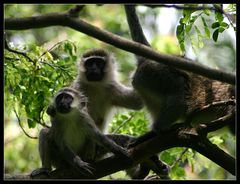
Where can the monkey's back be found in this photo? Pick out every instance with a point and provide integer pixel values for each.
(162, 90)
(170, 94)
(201, 91)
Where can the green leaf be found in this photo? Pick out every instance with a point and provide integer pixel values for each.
(219, 16)
(180, 29)
(224, 24)
(180, 36)
(207, 32)
(216, 140)
(22, 87)
(206, 12)
(215, 25)
(69, 47)
(188, 28)
(193, 19)
(182, 47)
(215, 35)
(43, 78)
(186, 15)
(221, 29)
(49, 56)
(31, 123)
(181, 21)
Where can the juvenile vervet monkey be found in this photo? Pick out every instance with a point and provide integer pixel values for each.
(170, 94)
(97, 79)
(72, 138)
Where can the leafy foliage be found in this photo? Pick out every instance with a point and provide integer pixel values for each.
(131, 123)
(29, 84)
(195, 25)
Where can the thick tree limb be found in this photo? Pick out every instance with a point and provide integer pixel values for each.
(179, 137)
(64, 19)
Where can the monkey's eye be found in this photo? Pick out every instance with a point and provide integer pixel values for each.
(100, 63)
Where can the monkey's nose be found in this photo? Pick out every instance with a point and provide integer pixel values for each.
(63, 108)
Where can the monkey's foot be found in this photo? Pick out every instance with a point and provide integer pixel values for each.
(40, 172)
(164, 170)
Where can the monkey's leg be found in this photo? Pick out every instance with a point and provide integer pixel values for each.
(75, 161)
(44, 150)
(141, 171)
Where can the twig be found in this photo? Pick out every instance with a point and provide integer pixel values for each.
(43, 124)
(19, 122)
(179, 158)
(18, 52)
(184, 7)
(74, 12)
(51, 48)
(124, 122)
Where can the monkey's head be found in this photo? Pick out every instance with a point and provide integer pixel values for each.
(65, 101)
(96, 65)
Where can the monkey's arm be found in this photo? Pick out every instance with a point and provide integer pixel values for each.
(102, 139)
(123, 96)
(75, 161)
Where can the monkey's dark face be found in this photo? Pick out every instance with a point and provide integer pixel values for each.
(95, 68)
(63, 103)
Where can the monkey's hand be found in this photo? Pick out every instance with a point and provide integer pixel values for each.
(123, 153)
(51, 111)
(83, 167)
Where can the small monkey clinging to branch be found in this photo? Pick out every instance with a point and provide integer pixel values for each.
(72, 138)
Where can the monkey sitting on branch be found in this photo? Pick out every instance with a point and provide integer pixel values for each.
(170, 94)
(97, 80)
(72, 138)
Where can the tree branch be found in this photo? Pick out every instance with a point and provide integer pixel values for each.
(180, 137)
(182, 7)
(63, 19)
(20, 124)
(17, 52)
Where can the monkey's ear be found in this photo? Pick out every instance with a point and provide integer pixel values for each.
(83, 104)
(83, 100)
(51, 110)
